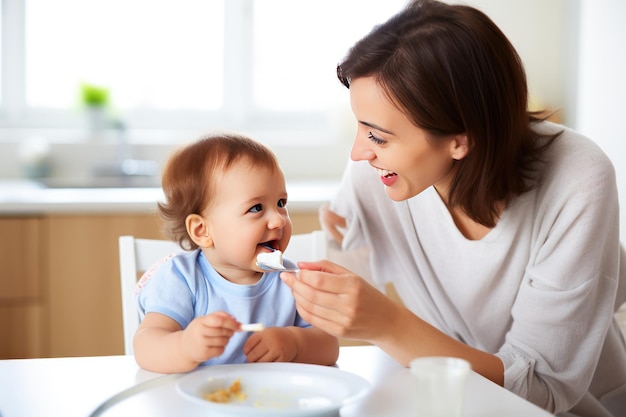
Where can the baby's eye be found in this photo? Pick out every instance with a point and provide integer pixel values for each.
(377, 141)
(256, 208)
(282, 203)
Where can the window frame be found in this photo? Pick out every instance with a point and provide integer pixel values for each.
(309, 145)
(237, 113)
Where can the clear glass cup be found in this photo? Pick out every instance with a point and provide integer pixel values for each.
(440, 385)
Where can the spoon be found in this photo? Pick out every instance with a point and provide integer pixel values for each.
(276, 263)
(288, 266)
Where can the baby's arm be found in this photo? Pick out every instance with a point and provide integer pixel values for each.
(161, 345)
(292, 344)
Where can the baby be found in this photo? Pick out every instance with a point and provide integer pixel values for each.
(225, 203)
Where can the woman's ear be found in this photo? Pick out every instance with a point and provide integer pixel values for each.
(459, 147)
(198, 230)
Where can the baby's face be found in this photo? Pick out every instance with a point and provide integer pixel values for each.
(248, 211)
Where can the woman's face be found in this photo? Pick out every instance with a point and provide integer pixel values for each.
(407, 160)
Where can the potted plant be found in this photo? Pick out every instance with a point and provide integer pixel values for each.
(96, 100)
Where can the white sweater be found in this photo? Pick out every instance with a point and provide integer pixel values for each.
(539, 290)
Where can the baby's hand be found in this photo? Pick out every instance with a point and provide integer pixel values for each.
(274, 344)
(206, 337)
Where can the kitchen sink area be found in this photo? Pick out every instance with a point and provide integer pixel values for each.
(122, 181)
(127, 194)
(102, 177)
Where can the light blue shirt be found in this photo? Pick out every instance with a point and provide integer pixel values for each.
(187, 286)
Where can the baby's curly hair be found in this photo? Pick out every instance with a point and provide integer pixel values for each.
(188, 179)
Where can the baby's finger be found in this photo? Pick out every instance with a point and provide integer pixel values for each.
(256, 353)
(221, 320)
(250, 344)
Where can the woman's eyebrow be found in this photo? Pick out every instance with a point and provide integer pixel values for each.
(373, 126)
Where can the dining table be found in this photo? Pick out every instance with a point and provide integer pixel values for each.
(116, 386)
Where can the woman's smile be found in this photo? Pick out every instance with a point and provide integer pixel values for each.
(387, 177)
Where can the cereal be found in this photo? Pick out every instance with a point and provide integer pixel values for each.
(227, 395)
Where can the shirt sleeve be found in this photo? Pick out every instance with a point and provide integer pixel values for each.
(345, 203)
(300, 322)
(167, 292)
(566, 301)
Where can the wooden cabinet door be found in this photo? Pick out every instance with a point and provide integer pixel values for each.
(304, 222)
(21, 331)
(85, 310)
(84, 314)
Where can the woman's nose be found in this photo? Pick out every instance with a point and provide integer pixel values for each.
(361, 150)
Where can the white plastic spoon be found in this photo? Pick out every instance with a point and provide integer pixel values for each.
(274, 262)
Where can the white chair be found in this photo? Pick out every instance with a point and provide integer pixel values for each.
(138, 255)
(307, 247)
(317, 245)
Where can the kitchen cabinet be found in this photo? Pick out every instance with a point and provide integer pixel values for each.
(59, 281)
(85, 309)
(22, 298)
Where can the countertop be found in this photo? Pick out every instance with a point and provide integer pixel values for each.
(115, 386)
(30, 197)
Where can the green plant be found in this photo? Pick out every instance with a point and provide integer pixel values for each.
(94, 96)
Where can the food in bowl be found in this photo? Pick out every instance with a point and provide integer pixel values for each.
(227, 395)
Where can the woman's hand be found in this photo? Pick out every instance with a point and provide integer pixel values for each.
(339, 302)
(342, 304)
(331, 222)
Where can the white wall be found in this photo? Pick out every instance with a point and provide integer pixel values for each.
(574, 52)
(544, 35)
(601, 109)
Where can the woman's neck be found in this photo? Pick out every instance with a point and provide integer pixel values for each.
(468, 227)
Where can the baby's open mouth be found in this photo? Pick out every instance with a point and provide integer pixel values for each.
(270, 245)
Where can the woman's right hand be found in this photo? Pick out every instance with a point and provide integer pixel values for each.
(339, 302)
(331, 222)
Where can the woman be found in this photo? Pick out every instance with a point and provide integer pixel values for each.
(498, 230)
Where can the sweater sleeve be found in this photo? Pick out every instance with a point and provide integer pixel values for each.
(346, 204)
(566, 300)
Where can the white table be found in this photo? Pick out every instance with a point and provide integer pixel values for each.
(68, 387)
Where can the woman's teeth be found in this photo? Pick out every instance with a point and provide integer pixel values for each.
(385, 172)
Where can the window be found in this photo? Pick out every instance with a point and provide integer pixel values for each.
(247, 65)
(158, 54)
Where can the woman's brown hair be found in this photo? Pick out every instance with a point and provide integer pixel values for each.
(451, 70)
(189, 177)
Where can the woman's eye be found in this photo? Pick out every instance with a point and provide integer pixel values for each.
(377, 141)
(282, 203)
(256, 208)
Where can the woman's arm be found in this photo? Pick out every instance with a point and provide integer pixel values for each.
(408, 337)
(334, 300)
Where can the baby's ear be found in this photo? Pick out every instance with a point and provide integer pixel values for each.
(198, 230)
(459, 147)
